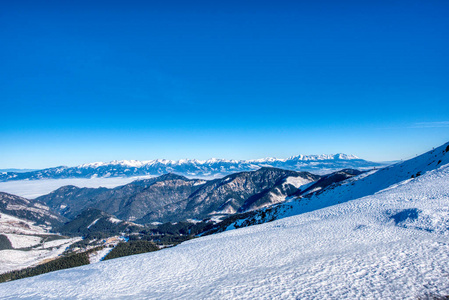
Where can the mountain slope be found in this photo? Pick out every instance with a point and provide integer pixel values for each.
(232, 193)
(356, 187)
(37, 212)
(173, 197)
(129, 202)
(318, 164)
(390, 245)
(29, 244)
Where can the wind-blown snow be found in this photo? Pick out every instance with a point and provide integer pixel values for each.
(391, 245)
(34, 188)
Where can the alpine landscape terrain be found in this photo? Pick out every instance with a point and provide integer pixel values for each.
(224, 149)
(380, 233)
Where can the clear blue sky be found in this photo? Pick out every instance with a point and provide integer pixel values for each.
(85, 81)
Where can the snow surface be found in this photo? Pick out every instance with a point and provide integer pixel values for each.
(390, 245)
(97, 256)
(93, 223)
(297, 182)
(23, 234)
(19, 259)
(34, 188)
(114, 220)
(22, 241)
(372, 182)
(11, 224)
(136, 163)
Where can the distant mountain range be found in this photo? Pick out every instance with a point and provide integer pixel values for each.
(212, 168)
(17, 170)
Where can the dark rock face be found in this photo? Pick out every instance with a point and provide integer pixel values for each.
(31, 210)
(172, 197)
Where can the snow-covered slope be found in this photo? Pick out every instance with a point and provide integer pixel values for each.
(34, 211)
(30, 244)
(212, 168)
(390, 245)
(14, 225)
(362, 185)
(34, 254)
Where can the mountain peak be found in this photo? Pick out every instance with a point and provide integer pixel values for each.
(214, 167)
(137, 163)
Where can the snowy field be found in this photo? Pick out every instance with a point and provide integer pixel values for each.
(13, 225)
(22, 234)
(34, 188)
(22, 241)
(391, 245)
(13, 259)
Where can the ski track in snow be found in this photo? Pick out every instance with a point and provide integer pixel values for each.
(99, 255)
(353, 250)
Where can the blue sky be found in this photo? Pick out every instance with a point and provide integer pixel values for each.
(92, 81)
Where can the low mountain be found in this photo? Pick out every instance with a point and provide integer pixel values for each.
(128, 202)
(237, 192)
(212, 168)
(34, 211)
(248, 218)
(173, 197)
(16, 170)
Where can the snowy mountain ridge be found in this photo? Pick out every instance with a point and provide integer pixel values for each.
(137, 163)
(211, 168)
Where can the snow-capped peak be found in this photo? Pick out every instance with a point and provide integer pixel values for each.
(93, 165)
(213, 167)
(137, 163)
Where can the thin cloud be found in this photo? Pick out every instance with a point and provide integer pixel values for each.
(441, 124)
